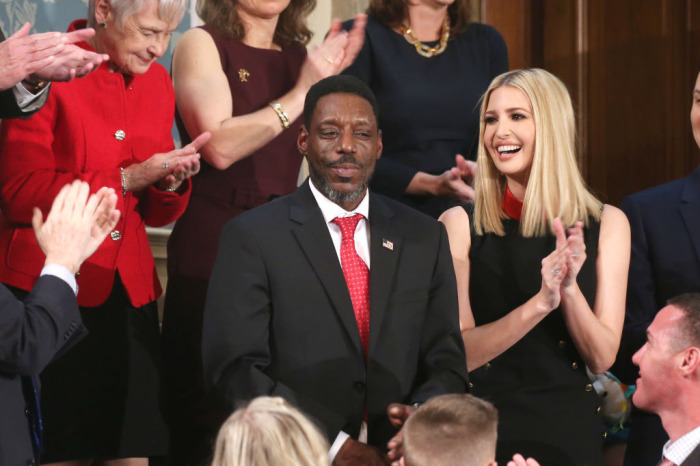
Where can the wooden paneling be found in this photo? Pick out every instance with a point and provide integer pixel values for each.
(630, 66)
(513, 20)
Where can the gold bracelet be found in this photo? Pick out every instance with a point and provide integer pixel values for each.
(284, 119)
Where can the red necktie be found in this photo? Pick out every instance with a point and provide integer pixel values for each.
(356, 275)
(667, 462)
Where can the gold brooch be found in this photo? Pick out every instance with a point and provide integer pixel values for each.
(243, 75)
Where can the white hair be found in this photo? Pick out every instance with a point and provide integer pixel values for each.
(168, 10)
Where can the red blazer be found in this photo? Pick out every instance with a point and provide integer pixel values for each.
(89, 128)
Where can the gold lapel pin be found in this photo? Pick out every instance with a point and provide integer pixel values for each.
(243, 75)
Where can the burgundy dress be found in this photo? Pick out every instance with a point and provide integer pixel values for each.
(256, 77)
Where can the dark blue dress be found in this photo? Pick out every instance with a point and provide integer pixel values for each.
(428, 107)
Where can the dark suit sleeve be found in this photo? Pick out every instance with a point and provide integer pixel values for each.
(443, 360)
(642, 303)
(236, 335)
(8, 105)
(34, 331)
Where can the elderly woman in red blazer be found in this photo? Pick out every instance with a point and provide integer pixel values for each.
(112, 129)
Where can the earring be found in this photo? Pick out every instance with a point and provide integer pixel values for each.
(102, 24)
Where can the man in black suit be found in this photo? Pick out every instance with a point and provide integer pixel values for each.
(34, 331)
(283, 317)
(47, 322)
(669, 378)
(665, 262)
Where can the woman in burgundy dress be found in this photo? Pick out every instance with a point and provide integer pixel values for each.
(244, 76)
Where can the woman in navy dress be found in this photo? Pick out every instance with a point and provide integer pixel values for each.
(428, 65)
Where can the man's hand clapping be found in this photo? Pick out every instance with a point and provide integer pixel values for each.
(76, 225)
(50, 56)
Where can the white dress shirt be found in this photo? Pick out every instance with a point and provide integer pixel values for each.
(678, 451)
(331, 210)
(27, 101)
(61, 272)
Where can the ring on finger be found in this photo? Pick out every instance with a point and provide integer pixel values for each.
(556, 271)
(165, 165)
(328, 59)
(576, 254)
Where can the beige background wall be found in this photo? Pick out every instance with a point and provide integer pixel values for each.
(320, 19)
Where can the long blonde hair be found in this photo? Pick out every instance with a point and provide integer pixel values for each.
(555, 187)
(269, 431)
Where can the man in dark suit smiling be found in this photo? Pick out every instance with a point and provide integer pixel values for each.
(294, 311)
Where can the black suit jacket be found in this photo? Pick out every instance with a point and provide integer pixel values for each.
(31, 334)
(665, 262)
(279, 321)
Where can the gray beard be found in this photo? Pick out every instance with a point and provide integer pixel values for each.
(335, 196)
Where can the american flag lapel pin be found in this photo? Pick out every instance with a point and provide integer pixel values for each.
(387, 244)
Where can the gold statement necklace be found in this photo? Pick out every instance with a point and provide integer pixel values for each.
(425, 50)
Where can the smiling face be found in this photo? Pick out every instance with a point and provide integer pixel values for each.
(342, 145)
(509, 135)
(657, 360)
(136, 43)
(695, 112)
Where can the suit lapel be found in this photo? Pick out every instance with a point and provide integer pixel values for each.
(693, 458)
(385, 248)
(690, 209)
(312, 234)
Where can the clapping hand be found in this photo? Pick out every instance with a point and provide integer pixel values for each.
(338, 50)
(467, 169)
(561, 267)
(51, 56)
(554, 269)
(356, 37)
(76, 225)
(71, 61)
(167, 170)
(456, 182)
(577, 254)
(518, 460)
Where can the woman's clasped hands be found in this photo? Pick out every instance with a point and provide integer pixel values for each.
(561, 267)
(168, 170)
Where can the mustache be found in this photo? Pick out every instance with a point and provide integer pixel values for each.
(345, 159)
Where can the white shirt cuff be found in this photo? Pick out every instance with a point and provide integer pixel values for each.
(63, 273)
(335, 448)
(25, 98)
